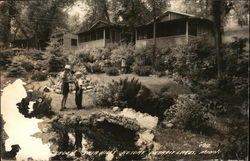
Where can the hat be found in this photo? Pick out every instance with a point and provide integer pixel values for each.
(67, 67)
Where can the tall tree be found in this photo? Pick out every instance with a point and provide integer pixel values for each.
(45, 16)
(157, 7)
(217, 17)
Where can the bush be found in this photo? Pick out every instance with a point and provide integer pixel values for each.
(187, 113)
(41, 107)
(56, 59)
(142, 70)
(195, 60)
(39, 76)
(6, 58)
(97, 68)
(144, 56)
(130, 93)
(15, 70)
(122, 52)
(84, 55)
(112, 71)
(56, 64)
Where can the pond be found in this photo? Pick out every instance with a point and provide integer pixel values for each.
(19, 128)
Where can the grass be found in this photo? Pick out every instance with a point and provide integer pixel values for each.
(154, 83)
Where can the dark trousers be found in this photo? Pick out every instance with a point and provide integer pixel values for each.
(78, 97)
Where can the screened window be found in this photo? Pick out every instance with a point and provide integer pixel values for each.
(171, 29)
(192, 28)
(73, 42)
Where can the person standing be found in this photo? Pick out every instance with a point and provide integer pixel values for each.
(66, 79)
(78, 94)
(123, 66)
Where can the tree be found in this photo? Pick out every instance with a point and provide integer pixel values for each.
(219, 10)
(217, 17)
(45, 16)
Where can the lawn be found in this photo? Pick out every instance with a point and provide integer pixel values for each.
(154, 83)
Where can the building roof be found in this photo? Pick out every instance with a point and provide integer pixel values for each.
(185, 16)
(105, 23)
(169, 11)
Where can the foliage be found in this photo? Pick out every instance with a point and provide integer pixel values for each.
(15, 70)
(112, 71)
(130, 93)
(234, 145)
(84, 55)
(6, 57)
(144, 55)
(142, 70)
(122, 51)
(235, 58)
(194, 60)
(188, 112)
(39, 76)
(56, 60)
(41, 106)
(97, 68)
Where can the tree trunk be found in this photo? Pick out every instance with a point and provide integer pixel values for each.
(217, 16)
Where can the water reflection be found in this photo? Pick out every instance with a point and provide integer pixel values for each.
(19, 128)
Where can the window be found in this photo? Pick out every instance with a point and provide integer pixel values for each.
(82, 38)
(171, 29)
(73, 42)
(192, 28)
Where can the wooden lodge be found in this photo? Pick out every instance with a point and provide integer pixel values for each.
(67, 40)
(174, 28)
(103, 33)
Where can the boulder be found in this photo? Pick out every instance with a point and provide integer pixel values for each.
(116, 109)
(167, 124)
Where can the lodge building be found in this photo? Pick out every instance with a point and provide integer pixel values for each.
(103, 33)
(172, 28)
(67, 40)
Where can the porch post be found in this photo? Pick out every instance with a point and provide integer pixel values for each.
(135, 36)
(104, 37)
(187, 30)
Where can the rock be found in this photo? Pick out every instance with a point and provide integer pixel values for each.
(46, 89)
(30, 90)
(116, 109)
(167, 124)
(58, 91)
(89, 87)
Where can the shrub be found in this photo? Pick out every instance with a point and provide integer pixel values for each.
(56, 59)
(142, 70)
(15, 70)
(97, 68)
(130, 93)
(188, 112)
(39, 76)
(144, 56)
(112, 71)
(122, 52)
(159, 64)
(88, 67)
(41, 107)
(84, 55)
(6, 58)
(195, 60)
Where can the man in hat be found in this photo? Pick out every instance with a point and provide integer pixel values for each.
(65, 78)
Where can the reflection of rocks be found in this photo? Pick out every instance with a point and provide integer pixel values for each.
(100, 131)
